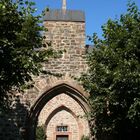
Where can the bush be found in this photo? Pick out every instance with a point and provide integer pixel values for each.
(85, 137)
(40, 133)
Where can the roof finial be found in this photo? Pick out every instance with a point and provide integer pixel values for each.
(64, 5)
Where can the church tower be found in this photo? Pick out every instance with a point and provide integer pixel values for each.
(60, 103)
(63, 113)
(66, 28)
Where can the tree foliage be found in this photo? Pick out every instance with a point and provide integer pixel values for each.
(21, 45)
(40, 133)
(113, 78)
(85, 137)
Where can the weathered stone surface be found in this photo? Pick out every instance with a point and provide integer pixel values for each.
(66, 107)
(67, 112)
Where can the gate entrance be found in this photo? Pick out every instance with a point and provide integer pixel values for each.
(62, 137)
(61, 104)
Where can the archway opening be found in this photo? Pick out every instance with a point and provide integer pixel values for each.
(62, 122)
(45, 98)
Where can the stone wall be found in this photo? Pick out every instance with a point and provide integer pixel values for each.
(69, 36)
(13, 121)
(67, 112)
(63, 35)
(68, 120)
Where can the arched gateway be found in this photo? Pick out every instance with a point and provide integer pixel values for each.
(57, 103)
(61, 109)
(61, 106)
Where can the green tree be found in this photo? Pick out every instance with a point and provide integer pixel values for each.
(85, 137)
(21, 45)
(113, 78)
(40, 133)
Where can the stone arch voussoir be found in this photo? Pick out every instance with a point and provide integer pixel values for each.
(52, 82)
(70, 88)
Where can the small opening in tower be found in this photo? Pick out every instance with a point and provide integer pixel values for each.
(62, 128)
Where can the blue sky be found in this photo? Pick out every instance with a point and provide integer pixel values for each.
(97, 11)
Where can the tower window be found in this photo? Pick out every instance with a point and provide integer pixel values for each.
(62, 128)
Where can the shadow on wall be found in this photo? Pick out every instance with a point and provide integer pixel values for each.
(12, 122)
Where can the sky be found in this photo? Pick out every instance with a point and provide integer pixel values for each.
(97, 12)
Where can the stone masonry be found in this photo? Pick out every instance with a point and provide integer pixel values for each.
(68, 36)
(55, 101)
(69, 113)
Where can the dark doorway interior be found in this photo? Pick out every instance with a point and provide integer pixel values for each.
(62, 137)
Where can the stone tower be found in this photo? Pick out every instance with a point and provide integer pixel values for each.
(57, 103)
(61, 114)
(66, 31)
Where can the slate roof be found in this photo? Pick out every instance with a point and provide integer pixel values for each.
(61, 15)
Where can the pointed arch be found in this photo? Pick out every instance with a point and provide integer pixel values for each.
(47, 96)
(60, 108)
(64, 108)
